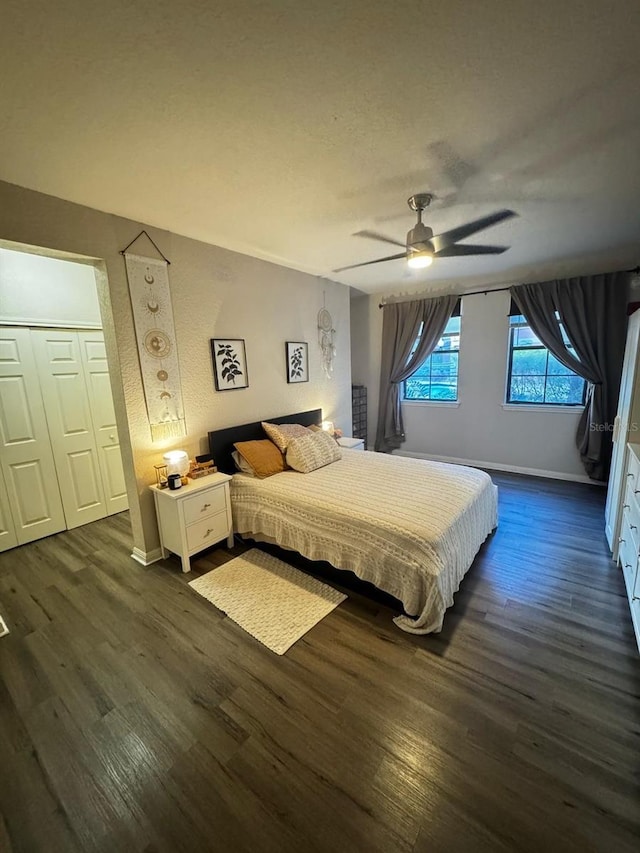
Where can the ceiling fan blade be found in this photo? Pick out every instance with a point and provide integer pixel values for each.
(448, 238)
(372, 235)
(368, 263)
(466, 249)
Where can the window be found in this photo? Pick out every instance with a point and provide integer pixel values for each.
(536, 376)
(437, 377)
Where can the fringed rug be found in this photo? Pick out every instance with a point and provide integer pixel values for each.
(270, 600)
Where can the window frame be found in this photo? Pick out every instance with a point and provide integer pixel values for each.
(516, 404)
(431, 401)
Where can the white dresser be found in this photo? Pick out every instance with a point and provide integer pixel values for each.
(629, 540)
(194, 517)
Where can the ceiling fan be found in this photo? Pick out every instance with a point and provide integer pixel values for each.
(423, 245)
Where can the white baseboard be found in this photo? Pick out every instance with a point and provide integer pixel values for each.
(498, 466)
(146, 558)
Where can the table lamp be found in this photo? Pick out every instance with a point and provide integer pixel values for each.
(177, 462)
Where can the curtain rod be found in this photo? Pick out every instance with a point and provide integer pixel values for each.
(634, 271)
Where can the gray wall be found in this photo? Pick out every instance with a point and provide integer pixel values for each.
(215, 293)
(480, 429)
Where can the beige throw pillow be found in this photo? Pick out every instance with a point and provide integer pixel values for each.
(263, 456)
(308, 452)
(281, 434)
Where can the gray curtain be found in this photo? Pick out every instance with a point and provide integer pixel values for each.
(400, 327)
(593, 311)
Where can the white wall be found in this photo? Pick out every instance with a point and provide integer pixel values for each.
(215, 293)
(479, 429)
(38, 291)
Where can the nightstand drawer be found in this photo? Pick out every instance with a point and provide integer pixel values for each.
(203, 505)
(207, 532)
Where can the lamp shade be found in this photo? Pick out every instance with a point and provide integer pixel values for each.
(327, 426)
(177, 462)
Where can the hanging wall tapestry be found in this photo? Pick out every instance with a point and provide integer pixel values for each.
(153, 317)
(325, 339)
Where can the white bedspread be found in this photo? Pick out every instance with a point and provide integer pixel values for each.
(409, 526)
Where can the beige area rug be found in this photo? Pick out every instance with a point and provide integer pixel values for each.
(270, 600)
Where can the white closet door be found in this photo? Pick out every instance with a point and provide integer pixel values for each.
(75, 453)
(8, 536)
(25, 451)
(94, 360)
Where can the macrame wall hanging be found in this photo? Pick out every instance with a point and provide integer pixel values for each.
(325, 340)
(155, 333)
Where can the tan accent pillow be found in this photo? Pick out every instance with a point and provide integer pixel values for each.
(308, 452)
(315, 428)
(281, 434)
(263, 456)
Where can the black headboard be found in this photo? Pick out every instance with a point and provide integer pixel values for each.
(221, 440)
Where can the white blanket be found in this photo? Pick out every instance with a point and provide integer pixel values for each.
(410, 527)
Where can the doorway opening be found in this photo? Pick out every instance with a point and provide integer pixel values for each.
(61, 464)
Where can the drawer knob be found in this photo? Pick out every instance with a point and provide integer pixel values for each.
(636, 491)
(205, 506)
(621, 540)
(626, 506)
(633, 526)
(629, 475)
(208, 533)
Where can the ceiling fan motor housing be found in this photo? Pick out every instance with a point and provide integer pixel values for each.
(419, 236)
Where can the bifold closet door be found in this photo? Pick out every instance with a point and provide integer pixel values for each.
(8, 537)
(94, 360)
(27, 465)
(68, 410)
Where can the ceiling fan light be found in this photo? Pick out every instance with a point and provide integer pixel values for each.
(419, 260)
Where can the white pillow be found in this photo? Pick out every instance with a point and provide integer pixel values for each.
(241, 464)
(305, 453)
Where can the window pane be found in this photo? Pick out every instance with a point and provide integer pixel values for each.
(532, 362)
(424, 371)
(444, 392)
(448, 342)
(556, 367)
(416, 389)
(564, 390)
(536, 375)
(527, 389)
(524, 337)
(444, 364)
(437, 377)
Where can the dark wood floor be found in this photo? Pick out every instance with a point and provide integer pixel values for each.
(135, 716)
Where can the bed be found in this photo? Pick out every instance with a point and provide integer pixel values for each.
(411, 527)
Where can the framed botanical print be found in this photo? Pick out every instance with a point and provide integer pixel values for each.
(297, 361)
(229, 363)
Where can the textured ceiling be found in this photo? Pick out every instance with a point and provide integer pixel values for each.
(280, 129)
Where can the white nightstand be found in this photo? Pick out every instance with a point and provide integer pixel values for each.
(351, 443)
(194, 517)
